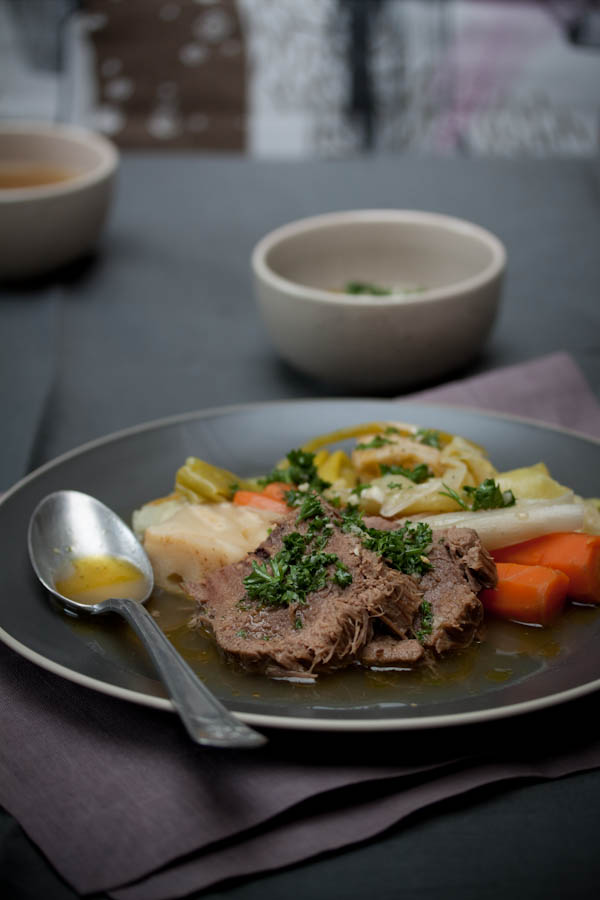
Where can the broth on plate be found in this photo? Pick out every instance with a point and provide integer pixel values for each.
(509, 652)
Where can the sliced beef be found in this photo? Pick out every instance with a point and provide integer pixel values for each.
(461, 567)
(398, 610)
(383, 618)
(302, 640)
(385, 651)
(467, 551)
(464, 547)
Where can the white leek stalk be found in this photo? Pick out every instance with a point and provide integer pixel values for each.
(514, 524)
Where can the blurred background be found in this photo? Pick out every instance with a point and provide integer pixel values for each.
(299, 78)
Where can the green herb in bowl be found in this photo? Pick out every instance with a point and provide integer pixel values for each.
(377, 290)
(364, 287)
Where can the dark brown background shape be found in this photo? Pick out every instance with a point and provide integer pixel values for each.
(173, 72)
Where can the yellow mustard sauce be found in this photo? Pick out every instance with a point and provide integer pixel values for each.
(95, 578)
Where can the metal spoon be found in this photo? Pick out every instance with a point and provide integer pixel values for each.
(69, 525)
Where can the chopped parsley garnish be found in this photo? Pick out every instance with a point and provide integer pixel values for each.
(287, 579)
(301, 566)
(352, 520)
(364, 287)
(294, 497)
(426, 621)
(342, 574)
(404, 549)
(301, 470)
(397, 485)
(391, 429)
(374, 444)
(450, 492)
(429, 437)
(419, 473)
(310, 506)
(488, 495)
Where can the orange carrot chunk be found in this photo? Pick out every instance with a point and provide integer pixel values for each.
(277, 490)
(532, 594)
(575, 554)
(259, 500)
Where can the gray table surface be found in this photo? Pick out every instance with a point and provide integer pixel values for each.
(161, 320)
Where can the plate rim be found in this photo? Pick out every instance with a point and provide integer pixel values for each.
(300, 723)
(281, 721)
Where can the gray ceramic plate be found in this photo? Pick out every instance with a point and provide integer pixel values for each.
(515, 670)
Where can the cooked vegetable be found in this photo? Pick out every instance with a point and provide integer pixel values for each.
(259, 500)
(377, 441)
(515, 524)
(427, 466)
(400, 495)
(200, 537)
(430, 437)
(591, 518)
(418, 473)
(532, 482)
(470, 455)
(155, 512)
(376, 450)
(276, 489)
(576, 555)
(336, 468)
(199, 482)
(342, 434)
(531, 594)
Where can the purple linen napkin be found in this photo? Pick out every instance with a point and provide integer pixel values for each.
(119, 799)
(550, 389)
(328, 829)
(111, 791)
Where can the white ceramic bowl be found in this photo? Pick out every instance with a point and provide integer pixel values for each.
(453, 270)
(47, 225)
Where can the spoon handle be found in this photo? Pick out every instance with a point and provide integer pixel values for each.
(206, 719)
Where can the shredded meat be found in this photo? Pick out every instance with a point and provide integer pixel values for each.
(375, 620)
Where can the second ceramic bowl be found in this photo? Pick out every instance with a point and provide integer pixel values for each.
(378, 299)
(55, 189)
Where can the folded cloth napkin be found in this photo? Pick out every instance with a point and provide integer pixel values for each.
(119, 800)
(550, 389)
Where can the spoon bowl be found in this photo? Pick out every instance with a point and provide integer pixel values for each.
(70, 531)
(68, 526)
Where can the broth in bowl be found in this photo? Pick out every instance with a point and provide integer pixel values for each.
(14, 175)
